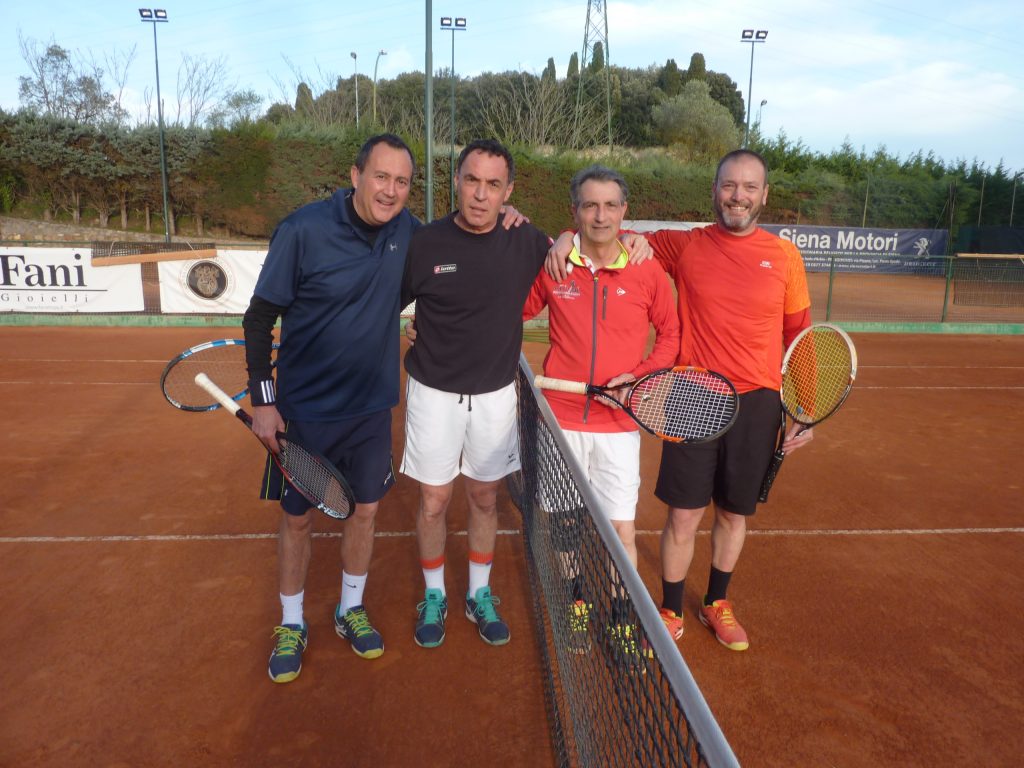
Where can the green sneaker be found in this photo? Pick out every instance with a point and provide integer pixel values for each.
(579, 627)
(432, 613)
(480, 609)
(286, 658)
(355, 627)
(626, 649)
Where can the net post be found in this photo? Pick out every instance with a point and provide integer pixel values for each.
(949, 284)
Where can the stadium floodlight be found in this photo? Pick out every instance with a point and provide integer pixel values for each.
(751, 36)
(380, 53)
(453, 25)
(152, 16)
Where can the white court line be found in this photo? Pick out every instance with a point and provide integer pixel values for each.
(512, 532)
(87, 383)
(77, 360)
(1007, 387)
(857, 387)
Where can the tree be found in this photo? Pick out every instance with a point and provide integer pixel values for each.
(698, 69)
(200, 88)
(519, 108)
(597, 59)
(634, 97)
(695, 123)
(549, 71)
(723, 90)
(61, 87)
(573, 70)
(670, 80)
(238, 108)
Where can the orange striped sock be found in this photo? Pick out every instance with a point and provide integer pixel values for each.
(433, 573)
(479, 570)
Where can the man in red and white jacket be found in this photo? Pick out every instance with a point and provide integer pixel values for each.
(599, 320)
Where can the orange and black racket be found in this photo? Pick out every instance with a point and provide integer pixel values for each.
(818, 372)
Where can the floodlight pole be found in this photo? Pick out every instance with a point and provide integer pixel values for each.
(355, 77)
(380, 53)
(152, 16)
(751, 36)
(453, 25)
(1013, 199)
(428, 116)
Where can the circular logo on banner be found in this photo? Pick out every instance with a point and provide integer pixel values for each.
(207, 280)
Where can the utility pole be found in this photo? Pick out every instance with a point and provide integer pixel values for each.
(595, 33)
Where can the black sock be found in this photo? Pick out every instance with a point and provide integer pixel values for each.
(577, 590)
(718, 583)
(672, 595)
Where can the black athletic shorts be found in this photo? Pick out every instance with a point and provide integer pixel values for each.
(360, 447)
(728, 470)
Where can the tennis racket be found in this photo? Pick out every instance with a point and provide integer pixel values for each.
(223, 359)
(680, 405)
(313, 475)
(818, 372)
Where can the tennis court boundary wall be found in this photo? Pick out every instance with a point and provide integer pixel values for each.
(182, 321)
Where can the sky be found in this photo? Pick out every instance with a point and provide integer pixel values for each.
(937, 76)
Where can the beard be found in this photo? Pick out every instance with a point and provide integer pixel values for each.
(737, 222)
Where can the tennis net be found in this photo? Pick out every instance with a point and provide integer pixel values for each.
(618, 691)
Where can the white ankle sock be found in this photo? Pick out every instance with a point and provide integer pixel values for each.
(291, 609)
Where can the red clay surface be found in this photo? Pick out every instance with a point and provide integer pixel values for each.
(880, 586)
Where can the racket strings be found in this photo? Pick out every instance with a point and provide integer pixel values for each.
(817, 376)
(225, 365)
(685, 405)
(311, 476)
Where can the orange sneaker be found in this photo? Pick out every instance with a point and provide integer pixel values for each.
(720, 619)
(673, 622)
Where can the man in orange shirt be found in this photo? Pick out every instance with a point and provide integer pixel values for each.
(742, 298)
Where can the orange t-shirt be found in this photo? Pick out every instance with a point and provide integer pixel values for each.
(733, 294)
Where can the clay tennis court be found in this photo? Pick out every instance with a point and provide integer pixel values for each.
(880, 586)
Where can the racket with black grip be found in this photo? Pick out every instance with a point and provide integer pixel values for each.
(313, 475)
(222, 359)
(818, 372)
(681, 405)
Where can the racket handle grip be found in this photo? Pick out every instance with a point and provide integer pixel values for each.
(560, 385)
(219, 394)
(769, 476)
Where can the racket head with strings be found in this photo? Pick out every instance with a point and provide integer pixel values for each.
(221, 359)
(312, 474)
(685, 404)
(818, 372)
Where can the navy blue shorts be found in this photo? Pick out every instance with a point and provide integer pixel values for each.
(728, 470)
(360, 447)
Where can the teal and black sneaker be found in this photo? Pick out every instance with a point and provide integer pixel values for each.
(286, 658)
(432, 613)
(355, 627)
(480, 608)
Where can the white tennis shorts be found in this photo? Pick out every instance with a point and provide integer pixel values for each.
(446, 433)
(611, 461)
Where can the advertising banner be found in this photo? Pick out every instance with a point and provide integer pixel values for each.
(64, 280)
(210, 286)
(856, 249)
(852, 249)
